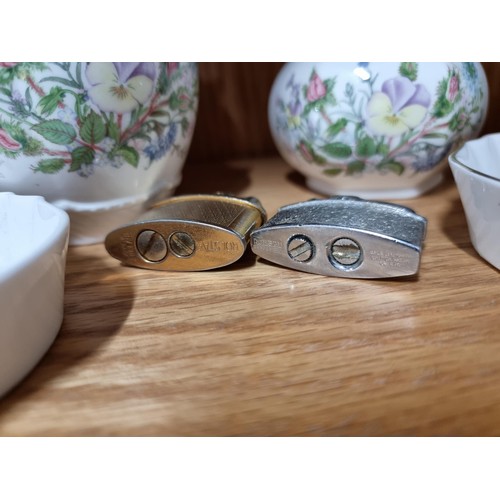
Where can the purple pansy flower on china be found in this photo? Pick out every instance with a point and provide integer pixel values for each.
(294, 107)
(400, 106)
(120, 87)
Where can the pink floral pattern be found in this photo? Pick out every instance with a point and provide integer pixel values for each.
(7, 142)
(316, 89)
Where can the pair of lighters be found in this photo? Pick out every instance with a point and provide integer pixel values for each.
(341, 236)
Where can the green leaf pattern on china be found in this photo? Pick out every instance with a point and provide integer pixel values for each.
(81, 117)
(397, 126)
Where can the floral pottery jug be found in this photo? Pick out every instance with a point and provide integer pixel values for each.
(101, 140)
(375, 130)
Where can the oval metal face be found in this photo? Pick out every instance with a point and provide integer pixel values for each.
(188, 233)
(190, 246)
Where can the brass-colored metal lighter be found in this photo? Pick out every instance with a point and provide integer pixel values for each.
(188, 233)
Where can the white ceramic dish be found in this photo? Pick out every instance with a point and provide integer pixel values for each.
(33, 244)
(476, 169)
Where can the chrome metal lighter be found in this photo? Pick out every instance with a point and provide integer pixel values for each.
(188, 233)
(343, 236)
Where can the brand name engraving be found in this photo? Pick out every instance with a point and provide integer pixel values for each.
(272, 246)
(388, 259)
(219, 246)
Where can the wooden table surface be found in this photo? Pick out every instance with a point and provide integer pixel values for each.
(256, 349)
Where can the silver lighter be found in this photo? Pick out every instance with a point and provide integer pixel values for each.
(343, 236)
(188, 233)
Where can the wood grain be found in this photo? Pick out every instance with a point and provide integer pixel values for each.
(492, 124)
(232, 114)
(256, 349)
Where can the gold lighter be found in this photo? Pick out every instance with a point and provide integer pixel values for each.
(188, 233)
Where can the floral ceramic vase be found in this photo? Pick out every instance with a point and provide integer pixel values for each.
(100, 140)
(376, 130)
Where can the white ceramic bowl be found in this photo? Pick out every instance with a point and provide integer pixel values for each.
(476, 169)
(100, 140)
(376, 130)
(33, 244)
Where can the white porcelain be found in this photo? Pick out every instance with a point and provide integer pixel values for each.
(33, 244)
(376, 130)
(476, 169)
(99, 140)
